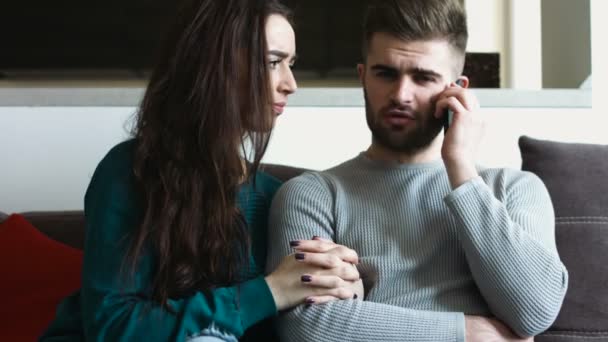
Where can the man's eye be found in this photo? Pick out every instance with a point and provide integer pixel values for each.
(425, 78)
(385, 74)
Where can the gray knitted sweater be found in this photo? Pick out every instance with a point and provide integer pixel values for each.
(428, 254)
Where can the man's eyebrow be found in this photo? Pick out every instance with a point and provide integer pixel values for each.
(382, 67)
(414, 70)
(428, 72)
(281, 54)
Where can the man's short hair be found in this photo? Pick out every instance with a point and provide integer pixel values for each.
(416, 20)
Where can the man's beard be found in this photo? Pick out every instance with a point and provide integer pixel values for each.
(426, 130)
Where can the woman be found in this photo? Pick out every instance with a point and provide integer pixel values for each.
(176, 217)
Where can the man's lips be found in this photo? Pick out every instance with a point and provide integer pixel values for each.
(399, 117)
(401, 113)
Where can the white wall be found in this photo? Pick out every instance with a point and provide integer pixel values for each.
(550, 53)
(513, 29)
(49, 154)
(524, 52)
(487, 24)
(321, 137)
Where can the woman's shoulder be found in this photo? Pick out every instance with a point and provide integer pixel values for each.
(114, 173)
(267, 183)
(119, 157)
(117, 164)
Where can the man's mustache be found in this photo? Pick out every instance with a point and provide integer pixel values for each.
(404, 111)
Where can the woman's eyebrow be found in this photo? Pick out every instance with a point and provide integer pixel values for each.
(278, 53)
(282, 54)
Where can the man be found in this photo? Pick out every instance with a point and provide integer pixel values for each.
(448, 251)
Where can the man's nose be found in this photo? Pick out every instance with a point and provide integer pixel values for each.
(403, 90)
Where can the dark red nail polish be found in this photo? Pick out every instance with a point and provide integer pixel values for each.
(294, 243)
(306, 278)
(299, 256)
(310, 301)
(315, 237)
(355, 296)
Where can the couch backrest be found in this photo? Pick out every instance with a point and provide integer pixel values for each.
(63, 226)
(282, 172)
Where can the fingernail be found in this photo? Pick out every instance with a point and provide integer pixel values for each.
(315, 237)
(355, 296)
(294, 243)
(310, 301)
(299, 256)
(306, 278)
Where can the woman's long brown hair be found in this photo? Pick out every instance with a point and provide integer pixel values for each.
(207, 108)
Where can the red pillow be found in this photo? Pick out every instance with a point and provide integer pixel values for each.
(37, 273)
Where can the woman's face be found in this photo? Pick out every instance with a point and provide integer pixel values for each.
(281, 41)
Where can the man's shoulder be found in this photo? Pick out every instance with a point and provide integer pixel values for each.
(309, 180)
(325, 181)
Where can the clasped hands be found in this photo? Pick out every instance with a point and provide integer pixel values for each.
(319, 271)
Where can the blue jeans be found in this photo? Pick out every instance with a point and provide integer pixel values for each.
(212, 334)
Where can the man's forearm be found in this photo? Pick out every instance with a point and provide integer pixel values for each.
(356, 320)
(523, 280)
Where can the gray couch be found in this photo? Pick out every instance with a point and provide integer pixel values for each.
(577, 178)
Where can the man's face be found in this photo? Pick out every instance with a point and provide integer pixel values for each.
(402, 81)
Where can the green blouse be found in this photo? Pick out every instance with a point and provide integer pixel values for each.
(109, 308)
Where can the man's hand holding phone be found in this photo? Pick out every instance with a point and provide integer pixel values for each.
(464, 133)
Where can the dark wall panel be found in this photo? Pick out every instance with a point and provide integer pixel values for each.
(125, 34)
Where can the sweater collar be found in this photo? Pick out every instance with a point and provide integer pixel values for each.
(364, 160)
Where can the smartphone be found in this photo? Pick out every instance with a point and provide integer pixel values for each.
(447, 117)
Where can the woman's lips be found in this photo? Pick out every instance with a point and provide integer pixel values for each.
(279, 107)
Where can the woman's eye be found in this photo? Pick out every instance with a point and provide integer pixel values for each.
(274, 64)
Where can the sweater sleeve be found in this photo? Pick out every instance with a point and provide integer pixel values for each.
(303, 207)
(118, 307)
(510, 247)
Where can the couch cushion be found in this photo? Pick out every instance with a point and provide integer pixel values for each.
(576, 176)
(37, 273)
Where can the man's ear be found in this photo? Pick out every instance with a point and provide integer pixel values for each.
(463, 81)
(361, 72)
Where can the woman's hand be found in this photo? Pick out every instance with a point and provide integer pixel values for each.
(319, 271)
